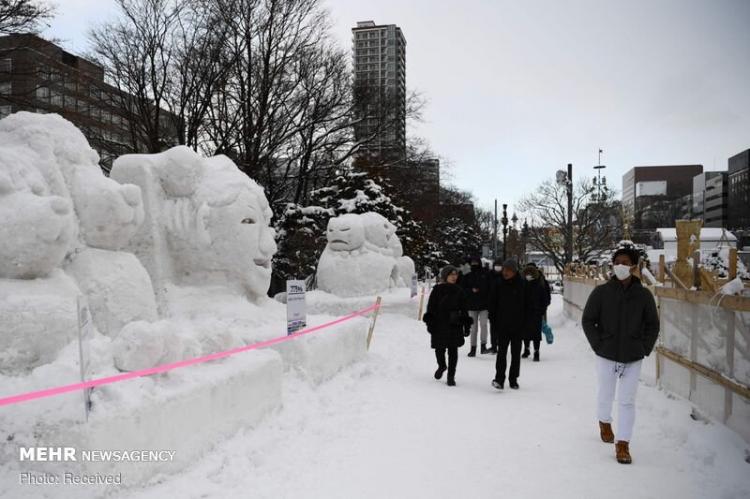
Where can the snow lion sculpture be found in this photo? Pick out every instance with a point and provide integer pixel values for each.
(362, 256)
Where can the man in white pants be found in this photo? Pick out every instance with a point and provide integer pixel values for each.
(621, 324)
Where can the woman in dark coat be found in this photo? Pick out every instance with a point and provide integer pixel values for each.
(448, 321)
(539, 300)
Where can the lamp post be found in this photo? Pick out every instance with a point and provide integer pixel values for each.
(494, 234)
(524, 238)
(566, 179)
(598, 180)
(504, 221)
(514, 234)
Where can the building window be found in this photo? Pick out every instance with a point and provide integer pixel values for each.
(42, 94)
(6, 88)
(55, 98)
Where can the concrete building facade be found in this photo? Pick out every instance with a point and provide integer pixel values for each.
(379, 57)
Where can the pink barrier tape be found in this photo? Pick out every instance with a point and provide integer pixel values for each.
(50, 392)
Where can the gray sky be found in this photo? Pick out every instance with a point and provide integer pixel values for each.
(518, 89)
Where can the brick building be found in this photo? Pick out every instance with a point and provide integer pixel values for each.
(38, 76)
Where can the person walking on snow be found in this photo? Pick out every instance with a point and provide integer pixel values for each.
(540, 298)
(509, 314)
(621, 324)
(448, 321)
(476, 286)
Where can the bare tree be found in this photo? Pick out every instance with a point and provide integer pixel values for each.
(23, 16)
(595, 220)
(139, 56)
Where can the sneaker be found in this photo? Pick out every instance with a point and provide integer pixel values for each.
(484, 349)
(493, 350)
(439, 372)
(526, 354)
(514, 384)
(497, 384)
(451, 381)
(473, 352)
(536, 356)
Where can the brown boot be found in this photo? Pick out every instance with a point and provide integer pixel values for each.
(623, 453)
(605, 431)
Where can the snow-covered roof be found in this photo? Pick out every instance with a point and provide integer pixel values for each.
(707, 234)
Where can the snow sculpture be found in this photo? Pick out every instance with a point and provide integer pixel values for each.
(107, 215)
(37, 301)
(207, 223)
(362, 257)
(206, 234)
(406, 269)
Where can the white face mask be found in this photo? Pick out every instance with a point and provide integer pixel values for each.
(498, 268)
(529, 277)
(622, 271)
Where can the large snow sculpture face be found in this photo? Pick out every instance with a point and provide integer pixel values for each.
(37, 228)
(345, 233)
(241, 240)
(217, 221)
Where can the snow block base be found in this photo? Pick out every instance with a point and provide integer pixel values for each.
(187, 414)
(320, 356)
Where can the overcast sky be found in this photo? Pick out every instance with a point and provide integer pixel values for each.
(518, 89)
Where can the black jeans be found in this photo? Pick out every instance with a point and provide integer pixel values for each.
(501, 362)
(452, 359)
(537, 344)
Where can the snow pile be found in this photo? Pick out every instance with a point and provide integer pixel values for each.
(717, 261)
(363, 256)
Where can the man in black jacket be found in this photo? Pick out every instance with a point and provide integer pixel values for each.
(621, 324)
(476, 286)
(509, 314)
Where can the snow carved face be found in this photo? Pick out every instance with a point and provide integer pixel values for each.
(220, 231)
(345, 233)
(37, 228)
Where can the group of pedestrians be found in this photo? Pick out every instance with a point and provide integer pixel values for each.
(620, 321)
(505, 305)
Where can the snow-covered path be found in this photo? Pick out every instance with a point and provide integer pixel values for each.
(386, 429)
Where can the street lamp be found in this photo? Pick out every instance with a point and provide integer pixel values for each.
(524, 237)
(504, 221)
(598, 180)
(566, 179)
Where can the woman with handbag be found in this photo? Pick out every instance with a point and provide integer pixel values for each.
(448, 321)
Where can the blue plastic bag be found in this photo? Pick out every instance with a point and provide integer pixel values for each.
(547, 333)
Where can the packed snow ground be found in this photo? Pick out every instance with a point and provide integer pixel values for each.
(386, 428)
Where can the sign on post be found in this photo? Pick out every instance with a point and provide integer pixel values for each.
(414, 285)
(296, 317)
(84, 356)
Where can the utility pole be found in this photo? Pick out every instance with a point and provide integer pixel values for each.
(569, 185)
(504, 221)
(494, 234)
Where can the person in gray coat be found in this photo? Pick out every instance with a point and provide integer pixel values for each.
(621, 324)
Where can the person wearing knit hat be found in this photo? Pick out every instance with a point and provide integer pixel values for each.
(508, 311)
(447, 320)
